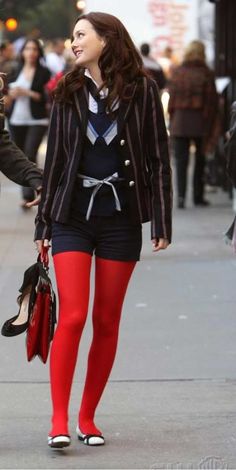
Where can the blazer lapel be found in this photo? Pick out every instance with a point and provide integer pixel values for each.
(81, 104)
(125, 107)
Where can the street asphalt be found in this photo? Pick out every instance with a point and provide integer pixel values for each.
(171, 399)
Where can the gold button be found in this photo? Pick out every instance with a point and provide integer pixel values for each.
(131, 183)
(122, 142)
(127, 162)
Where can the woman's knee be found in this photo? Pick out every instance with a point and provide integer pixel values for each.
(73, 321)
(106, 325)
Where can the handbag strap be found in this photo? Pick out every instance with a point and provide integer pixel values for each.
(44, 258)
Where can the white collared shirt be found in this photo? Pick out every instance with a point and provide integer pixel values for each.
(93, 106)
(21, 114)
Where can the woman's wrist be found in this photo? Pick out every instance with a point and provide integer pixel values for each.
(34, 95)
(39, 189)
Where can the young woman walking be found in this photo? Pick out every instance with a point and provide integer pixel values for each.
(107, 170)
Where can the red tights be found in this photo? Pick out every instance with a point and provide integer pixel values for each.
(111, 280)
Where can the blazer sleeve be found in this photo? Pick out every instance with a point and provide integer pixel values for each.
(15, 165)
(159, 167)
(52, 172)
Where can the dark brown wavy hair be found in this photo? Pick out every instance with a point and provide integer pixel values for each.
(39, 46)
(120, 62)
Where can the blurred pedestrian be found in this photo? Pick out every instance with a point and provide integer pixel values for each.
(192, 107)
(52, 84)
(13, 163)
(168, 61)
(107, 170)
(55, 59)
(8, 62)
(152, 66)
(27, 113)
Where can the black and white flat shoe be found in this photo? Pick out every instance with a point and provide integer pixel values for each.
(90, 439)
(60, 441)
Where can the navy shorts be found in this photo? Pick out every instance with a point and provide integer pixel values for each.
(113, 237)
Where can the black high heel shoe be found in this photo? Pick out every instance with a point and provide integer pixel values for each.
(19, 323)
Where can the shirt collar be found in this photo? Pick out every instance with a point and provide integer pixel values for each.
(103, 93)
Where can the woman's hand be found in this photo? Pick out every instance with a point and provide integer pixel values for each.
(34, 95)
(16, 92)
(37, 199)
(159, 244)
(40, 243)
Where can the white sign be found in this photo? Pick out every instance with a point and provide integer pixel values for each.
(159, 22)
(174, 23)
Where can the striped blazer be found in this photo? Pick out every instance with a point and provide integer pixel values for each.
(143, 148)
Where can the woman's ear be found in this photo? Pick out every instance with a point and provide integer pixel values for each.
(103, 42)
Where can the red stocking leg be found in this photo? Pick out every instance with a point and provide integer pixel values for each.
(72, 274)
(112, 278)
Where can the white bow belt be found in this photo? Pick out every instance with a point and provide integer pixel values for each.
(89, 182)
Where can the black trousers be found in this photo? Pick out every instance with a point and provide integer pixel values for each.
(28, 139)
(181, 147)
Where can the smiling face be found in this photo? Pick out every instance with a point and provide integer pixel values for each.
(86, 44)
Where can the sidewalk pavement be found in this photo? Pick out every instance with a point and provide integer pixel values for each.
(171, 398)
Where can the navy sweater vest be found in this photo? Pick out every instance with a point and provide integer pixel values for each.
(100, 159)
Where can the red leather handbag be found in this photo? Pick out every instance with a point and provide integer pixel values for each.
(42, 315)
